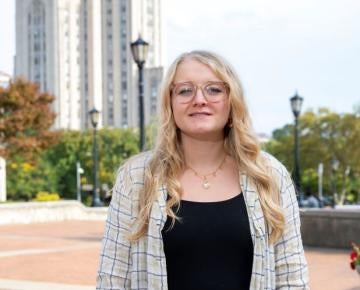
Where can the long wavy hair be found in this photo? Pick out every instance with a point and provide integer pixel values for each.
(240, 143)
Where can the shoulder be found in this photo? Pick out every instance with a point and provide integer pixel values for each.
(131, 173)
(277, 170)
(138, 163)
(273, 164)
(283, 179)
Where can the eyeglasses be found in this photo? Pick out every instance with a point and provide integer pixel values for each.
(212, 91)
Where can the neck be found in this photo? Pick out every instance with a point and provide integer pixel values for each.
(203, 155)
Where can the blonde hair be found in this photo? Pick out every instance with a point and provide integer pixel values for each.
(240, 142)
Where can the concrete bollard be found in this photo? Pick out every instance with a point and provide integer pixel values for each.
(2, 180)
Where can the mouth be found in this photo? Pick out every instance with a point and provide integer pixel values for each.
(199, 114)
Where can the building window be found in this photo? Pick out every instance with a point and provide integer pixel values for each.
(124, 112)
(124, 86)
(36, 32)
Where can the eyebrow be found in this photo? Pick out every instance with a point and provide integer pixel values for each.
(183, 82)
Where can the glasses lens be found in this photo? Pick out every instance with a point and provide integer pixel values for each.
(215, 91)
(184, 92)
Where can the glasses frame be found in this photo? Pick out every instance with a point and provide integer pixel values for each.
(202, 88)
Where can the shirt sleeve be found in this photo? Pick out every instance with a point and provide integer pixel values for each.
(115, 257)
(290, 264)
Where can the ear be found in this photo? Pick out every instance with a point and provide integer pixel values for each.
(229, 123)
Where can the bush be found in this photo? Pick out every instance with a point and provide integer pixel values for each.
(46, 196)
(25, 180)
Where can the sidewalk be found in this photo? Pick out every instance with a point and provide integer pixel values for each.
(64, 256)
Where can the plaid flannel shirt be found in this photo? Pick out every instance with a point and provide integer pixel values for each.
(142, 264)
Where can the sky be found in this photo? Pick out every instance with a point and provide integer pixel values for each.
(277, 47)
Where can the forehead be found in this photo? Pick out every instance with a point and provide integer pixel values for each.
(195, 71)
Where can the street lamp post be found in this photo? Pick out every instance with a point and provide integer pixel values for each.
(94, 117)
(139, 49)
(296, 103)
(334, 167)
(320, 184)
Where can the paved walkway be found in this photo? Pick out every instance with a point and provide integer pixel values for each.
(64, 256)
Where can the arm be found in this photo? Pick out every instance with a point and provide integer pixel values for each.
(290, 263)
(115, 258)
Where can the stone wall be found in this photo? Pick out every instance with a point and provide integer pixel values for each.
(31, 212)
(335, 228)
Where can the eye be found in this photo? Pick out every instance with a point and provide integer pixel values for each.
(185, 91)
(215, 89)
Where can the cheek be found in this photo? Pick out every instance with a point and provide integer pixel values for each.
(226, 111)
(176, 113)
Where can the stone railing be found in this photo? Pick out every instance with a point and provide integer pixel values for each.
(335, 228)
(30, 212)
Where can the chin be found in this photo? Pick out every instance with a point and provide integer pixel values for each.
(204, 133)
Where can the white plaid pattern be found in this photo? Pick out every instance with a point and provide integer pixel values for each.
(142, 265)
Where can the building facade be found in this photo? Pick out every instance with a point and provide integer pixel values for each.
(79, 50)
(122, 22)
(47, 52)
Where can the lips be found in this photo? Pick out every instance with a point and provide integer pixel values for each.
(195, 114)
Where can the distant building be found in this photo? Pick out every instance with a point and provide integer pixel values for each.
(153, 78)
(79, 50)
(122, 21)
(4, 79)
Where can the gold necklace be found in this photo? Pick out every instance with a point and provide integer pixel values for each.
(205, 181)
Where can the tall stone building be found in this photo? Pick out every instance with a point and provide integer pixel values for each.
(122, 22)
(79, 50)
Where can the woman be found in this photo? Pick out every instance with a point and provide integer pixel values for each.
(206, 209)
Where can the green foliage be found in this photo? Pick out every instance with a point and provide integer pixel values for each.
(151, 133)
(63, 157)
(310, 180)
(46, 196)
(54, 170)
(114, 146)
(323, 136)
(25, 180)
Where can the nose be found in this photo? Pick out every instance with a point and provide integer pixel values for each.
(199, 98)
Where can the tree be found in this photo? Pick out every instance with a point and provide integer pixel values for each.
(25, 120)
(114, 146)
(323, 137)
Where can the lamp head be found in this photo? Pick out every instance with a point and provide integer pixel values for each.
(296, 104)
(139, 50)
(94, 117)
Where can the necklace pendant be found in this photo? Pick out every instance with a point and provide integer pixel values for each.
(206, 184)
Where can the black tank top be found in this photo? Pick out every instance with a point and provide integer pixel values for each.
(210, 248)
